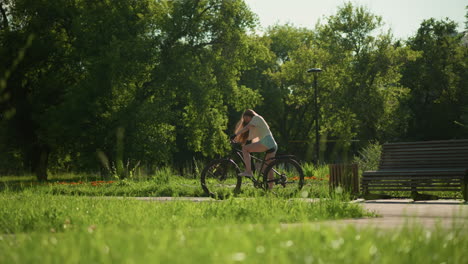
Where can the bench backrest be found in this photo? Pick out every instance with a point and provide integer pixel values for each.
(425, 154)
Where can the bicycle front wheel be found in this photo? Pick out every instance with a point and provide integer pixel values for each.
(284, 177)
(219, 179)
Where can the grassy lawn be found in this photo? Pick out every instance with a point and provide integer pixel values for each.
(47, 228)
(56, 229)
(235, 244)
(166, 183)
(71, 219)
(163, 183)
(75, 229)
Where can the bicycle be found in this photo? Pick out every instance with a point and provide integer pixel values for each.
(220, 177)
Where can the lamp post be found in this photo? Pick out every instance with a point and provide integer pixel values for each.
(315, 71)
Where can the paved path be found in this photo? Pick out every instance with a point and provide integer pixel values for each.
(400, 213)
(393, 213)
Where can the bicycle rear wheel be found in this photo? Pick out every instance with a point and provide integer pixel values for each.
(286, 177)
(219, 179)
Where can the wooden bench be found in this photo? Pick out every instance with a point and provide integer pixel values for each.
(420, 166)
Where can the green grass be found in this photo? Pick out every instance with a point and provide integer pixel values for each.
(236, 244)
(59, 229)
(157, 185)
(163, 183)
(28, 211)
(59, 223)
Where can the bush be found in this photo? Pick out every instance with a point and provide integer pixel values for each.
(369, 157)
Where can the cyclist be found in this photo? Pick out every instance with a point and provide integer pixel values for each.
(253, 132)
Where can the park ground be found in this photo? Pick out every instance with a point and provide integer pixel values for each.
(82, 222)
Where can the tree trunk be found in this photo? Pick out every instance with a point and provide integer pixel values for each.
(40, 162)
(4, 17)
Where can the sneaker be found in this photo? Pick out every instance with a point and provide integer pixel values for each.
(246, 174)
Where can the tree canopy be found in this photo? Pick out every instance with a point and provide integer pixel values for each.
(110, 85)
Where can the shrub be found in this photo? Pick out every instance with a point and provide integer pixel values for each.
(369, 157)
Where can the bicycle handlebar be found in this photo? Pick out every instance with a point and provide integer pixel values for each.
(235, 145)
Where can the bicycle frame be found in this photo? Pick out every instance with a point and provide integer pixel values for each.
(256, 182)
(264, 168)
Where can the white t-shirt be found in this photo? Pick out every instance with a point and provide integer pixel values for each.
(260, 128)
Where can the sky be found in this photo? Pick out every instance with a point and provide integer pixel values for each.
(403, 17)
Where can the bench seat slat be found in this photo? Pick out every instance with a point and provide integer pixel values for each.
(403, 179)
(422, 164)
(442, 163)
(408, 158)
(423, 170)
(422, 147)
(409, 189)
(448, 172)
(427, 151)
(411, 167)
(417, 166)
(414, 185)
(456, 142)
(408, 175)
(419, 179)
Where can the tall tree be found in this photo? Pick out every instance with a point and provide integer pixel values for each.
(203, 48)
(75, 77)
(133, 80)
(359, 90)
(437, 81)
(372, 61)
(273, 49)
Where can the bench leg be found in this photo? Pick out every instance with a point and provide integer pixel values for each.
(423, 196)
(364, 190)
(465, 187)
(365, 193)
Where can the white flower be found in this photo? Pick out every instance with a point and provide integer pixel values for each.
(239, 256)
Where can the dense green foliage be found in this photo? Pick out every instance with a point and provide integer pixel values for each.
(438, 82)
(114, 85)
